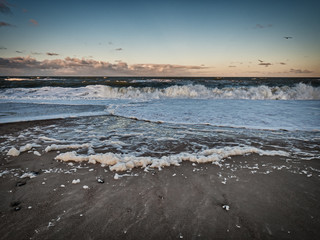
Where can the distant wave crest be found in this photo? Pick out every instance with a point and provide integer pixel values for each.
(17, 79)
(300, 91)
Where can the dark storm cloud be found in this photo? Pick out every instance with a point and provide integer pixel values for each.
(260, 26)
(52, 54)
(265, 64)
(4, 8)
(5, 24)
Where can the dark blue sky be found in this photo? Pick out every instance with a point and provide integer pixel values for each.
(228, 38)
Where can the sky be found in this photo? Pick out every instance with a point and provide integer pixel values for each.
(273, 38)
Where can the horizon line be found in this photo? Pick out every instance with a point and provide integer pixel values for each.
(146, 76)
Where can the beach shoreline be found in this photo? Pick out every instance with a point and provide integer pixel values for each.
(243, 197)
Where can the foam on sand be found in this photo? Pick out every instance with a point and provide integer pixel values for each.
(72, 156)
(75, 181)
(125, 162)
(13, 152)
(37, 153)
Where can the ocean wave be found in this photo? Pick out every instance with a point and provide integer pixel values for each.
(300, 91)
(158, 80)
(17, 79)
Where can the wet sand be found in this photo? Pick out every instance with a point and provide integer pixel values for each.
(246, 197)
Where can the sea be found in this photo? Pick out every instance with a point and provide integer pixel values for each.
(163, 121)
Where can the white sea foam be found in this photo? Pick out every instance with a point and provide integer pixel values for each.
(71, 156)
(28, 147)
(13, 152)
(47, 139)
(28, 175)
(300, 91)
(124, 162)
(37, 153)
(75, 181)
(4, 172)
(54, 147)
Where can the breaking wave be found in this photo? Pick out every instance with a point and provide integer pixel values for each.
(300, 91)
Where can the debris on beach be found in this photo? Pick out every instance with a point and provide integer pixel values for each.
(226, 207)
(100, 180)
(37, 153)
(117, 176)
(16, 205)
(21, 183)
(75, 181)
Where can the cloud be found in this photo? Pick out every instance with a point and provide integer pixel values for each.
(232, 66)
(282, 63)
(260, 26)
(77, 66)
(265, 64)
(5, 24)
(19, 51)
(17, 62)
(52, 54)
(4, 7)
(34, 22)
(118, 49)
(232, 63)
(299, 71)
(3, 48)
(162, 67)
(36, 53)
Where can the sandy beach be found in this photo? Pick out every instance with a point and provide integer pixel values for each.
(245, 197)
